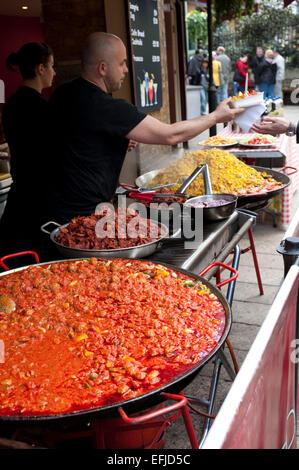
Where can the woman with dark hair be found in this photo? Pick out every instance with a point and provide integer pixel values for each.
(26, 124)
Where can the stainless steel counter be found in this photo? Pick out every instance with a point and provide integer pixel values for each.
(219, 239)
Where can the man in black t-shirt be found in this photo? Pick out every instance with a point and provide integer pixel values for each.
(93, 130)
(92, 145)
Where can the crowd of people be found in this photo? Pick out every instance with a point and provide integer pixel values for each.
(265, 73)
(198, 74)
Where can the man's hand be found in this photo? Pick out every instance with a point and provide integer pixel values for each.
(224, 113)
(132, 145)
(273, 126)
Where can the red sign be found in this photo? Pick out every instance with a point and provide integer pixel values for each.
(259, 410)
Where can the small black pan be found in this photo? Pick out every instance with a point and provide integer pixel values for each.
(214, 213)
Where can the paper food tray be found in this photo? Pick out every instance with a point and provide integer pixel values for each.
(249, 101)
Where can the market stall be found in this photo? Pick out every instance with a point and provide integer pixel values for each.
(171, 260)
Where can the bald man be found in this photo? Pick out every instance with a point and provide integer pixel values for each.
(93, 129)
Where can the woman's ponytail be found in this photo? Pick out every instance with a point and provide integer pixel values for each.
(12, 61)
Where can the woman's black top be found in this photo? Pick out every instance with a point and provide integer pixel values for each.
(266, 72)
(26, 127)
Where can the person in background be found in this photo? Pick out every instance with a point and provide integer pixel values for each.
(280, 73)
(241, 70)
(255, 62)
(217, 76)
(277, 125)
(93, 129)
(226, 69)
(194, 66)
(204, 73)
(27, 128)
(266, 74)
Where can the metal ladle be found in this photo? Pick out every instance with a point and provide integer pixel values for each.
(213, 213)
(206, 176)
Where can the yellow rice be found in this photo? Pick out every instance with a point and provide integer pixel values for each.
(227, 173)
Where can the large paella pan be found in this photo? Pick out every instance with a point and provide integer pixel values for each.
(84, 338)
(283, 181)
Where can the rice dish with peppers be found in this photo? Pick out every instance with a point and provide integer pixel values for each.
(228, 174)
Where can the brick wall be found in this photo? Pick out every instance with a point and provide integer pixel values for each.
(68, 23)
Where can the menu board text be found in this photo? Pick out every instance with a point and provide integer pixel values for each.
(145, 42)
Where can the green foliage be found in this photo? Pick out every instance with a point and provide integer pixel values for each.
(197, 27)
(270, 27)
(229, 9)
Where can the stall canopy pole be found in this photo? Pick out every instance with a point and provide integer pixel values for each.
(212, 88)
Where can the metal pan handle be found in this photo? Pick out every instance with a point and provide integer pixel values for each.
(13, 255)
(43, 229)
(286, 168)
(223, 283)
(180, 399)
(129, 187)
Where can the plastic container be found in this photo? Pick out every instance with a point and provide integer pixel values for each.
(251, 100)
(268, 104)
(277, 103)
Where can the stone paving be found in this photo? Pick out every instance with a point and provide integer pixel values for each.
(249, 309)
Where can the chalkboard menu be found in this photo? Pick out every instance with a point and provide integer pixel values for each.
(145, 46)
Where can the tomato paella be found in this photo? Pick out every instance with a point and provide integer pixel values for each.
(88, 333)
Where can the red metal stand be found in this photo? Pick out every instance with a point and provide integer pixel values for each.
(145, 430)
(255, 260)
(251, 248)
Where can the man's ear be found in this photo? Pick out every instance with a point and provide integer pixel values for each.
(39, 69)
(102, 68)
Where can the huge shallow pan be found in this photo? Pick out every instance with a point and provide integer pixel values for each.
(243, 200)
(155, 396)
(138, 251)
(279, 176)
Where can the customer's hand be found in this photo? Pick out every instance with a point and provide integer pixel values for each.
(224, 113)
(271, 125)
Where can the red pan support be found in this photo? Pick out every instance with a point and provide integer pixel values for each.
(180, 405)
(291, 167)
(14, 255)
(223, 283)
